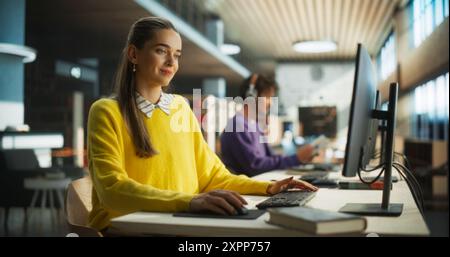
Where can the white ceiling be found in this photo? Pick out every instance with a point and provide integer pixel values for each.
(266, 29)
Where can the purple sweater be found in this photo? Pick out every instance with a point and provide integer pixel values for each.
(243, 153)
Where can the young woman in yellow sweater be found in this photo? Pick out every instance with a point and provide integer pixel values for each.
(145, 148)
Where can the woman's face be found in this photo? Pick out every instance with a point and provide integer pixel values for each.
(157, 61)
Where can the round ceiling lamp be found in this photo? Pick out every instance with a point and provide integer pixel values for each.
(322, 46)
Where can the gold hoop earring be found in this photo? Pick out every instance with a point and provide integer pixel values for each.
(134, 67)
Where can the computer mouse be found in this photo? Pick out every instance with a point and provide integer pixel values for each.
(242, 211)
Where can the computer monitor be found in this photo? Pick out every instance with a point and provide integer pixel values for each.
(361, 124)
(318, 120)
(362, 131)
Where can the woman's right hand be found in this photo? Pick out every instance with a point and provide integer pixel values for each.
(223, 202)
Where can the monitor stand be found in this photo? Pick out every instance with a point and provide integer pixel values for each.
(373, 209)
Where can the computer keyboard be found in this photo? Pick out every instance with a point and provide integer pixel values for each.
(320, 181)
(310, 178)
(325, 183)
(287, 199)
(326, 167)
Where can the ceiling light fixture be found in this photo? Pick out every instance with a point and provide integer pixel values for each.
(75, 72)
(27, 53)
(230, 49)
(322, 46)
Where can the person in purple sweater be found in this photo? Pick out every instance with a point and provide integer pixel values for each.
(242, 147)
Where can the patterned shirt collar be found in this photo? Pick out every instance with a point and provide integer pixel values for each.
(147, 107)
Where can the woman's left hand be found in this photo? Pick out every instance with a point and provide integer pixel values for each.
(289, 183)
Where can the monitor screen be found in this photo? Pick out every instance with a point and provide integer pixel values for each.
(361, 127)
(318, 120)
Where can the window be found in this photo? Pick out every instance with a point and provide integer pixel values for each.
(426, 16)
(445, 8)
(431, 115)
(386, 60)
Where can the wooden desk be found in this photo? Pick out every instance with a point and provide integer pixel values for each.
(410, 223)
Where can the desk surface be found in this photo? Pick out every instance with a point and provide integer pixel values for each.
(410, 223)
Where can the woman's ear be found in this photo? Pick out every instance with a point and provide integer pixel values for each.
(132, 54)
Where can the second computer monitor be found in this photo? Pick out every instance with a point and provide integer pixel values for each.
(318, 120)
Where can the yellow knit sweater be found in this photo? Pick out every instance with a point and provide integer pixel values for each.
(185, 165)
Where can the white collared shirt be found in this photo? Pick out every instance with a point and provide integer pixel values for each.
(147, 107)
